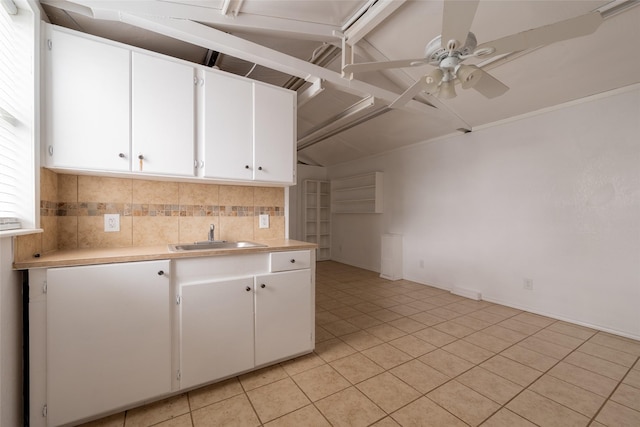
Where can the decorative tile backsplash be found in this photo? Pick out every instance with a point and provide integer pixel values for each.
(49, 208)
(152, 212)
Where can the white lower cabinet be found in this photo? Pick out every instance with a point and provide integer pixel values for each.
(283, 315)
(232, 325)
(108, 338)
(104, 338)
(216, 330)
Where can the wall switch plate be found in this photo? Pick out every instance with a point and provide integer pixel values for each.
(264, 221)
(111, 222)
(527, 284)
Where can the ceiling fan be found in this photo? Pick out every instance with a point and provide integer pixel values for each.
(456, 44)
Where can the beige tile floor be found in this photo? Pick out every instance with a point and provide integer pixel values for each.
(405, 354)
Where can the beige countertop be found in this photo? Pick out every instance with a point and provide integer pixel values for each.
(73, 257)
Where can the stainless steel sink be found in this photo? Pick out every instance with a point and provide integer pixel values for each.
(207, 246)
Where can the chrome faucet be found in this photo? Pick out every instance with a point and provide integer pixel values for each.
(211, 231)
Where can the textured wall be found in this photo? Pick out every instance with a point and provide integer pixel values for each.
(554, 198)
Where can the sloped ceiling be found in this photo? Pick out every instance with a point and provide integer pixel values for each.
(341, 119)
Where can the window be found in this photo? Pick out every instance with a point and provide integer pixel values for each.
(19, 106)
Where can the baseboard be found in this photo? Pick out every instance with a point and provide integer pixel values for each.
(467, 293)
(354, 264)
(563, 318)
(556, 316)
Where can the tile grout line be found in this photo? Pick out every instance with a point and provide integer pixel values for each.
(452, 378)
(512, 345)
(613, 392)
(457, 339)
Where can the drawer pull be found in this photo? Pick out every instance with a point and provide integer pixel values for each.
(248, 288)
(161, 273)
(293, 261)
(263, 286)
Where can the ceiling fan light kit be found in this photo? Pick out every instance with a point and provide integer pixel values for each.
(446, 52)
(447, 90)
(468, 75)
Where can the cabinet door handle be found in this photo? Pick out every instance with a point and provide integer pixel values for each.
(248, 288)
(141, 157)
(161, 273)
(259, 168)
(121, 155)
(263, 286)
(246, 166)
(293, 261)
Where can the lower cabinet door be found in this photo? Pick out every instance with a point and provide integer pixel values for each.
(108, 338)
(216, 329)
(283, 315)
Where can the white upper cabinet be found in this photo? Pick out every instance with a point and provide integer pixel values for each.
(274, 134)
(248, 130)
(163, 116)
(227, 127)
(87, 104)
(112, 108)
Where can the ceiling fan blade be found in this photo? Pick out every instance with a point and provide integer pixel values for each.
(456, 20)
(488, 85)
(563, 30)
(374, 66)
(428, 83)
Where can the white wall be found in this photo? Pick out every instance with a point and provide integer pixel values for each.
(10, 339)
(553, 197)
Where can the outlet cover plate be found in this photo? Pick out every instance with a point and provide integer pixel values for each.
(111, 222)
(264, 221)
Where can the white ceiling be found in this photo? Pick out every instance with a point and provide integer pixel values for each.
(260, 31)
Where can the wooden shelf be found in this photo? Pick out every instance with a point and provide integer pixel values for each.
(317, 216)
(357, 194)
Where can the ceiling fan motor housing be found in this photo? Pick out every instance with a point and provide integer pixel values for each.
(435, 52)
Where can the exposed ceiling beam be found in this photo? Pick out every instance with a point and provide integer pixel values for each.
(311, 92)
(210, 38)
(380, 11)
(110, 10)
(346, 117)
(344, 126)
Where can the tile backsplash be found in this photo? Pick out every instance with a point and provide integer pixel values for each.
(72, 209)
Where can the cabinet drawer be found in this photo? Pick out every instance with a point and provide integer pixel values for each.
(293, 260)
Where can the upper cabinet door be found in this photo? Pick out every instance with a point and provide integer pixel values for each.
(227, 127)
(87, 104)
(163, 116)
(274, 134)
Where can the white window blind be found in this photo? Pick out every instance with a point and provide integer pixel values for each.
(18, 116)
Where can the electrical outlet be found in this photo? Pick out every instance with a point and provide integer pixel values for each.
(264, 221)
(421, 263)
(527, 284)
(111, 222)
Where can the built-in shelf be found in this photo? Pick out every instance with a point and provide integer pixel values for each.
(357, 194)
(317, 230)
